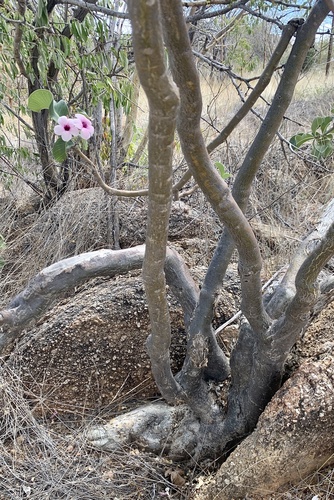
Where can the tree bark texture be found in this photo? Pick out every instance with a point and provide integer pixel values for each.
(200, 426)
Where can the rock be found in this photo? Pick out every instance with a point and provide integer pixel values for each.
(294, 437)
(90, 350)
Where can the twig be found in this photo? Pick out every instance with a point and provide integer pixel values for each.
(103, 185)
(94, 8)
(26, 124)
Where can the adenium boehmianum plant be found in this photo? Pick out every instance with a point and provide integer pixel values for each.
(67, 128)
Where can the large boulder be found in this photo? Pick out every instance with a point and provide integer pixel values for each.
(90, 348)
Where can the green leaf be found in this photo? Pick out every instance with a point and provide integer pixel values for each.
(58, 109)
(59, 150)
(42, 14)
(39, 99)
(320, 122)
(222, 171)
(76, 29)
(322, 149)
(66, 45)
(299, 139)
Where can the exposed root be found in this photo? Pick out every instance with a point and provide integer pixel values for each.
(152, 427)
(161, 429)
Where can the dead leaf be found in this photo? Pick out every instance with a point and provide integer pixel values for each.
(176, 476)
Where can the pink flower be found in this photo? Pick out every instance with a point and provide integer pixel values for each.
(66, 128)
(84, 125)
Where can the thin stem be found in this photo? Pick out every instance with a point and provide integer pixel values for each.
(264, 80)
(111, 191)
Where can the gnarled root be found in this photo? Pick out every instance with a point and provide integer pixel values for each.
(157, 427)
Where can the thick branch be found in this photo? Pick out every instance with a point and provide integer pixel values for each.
(163, 104)
(260, 379)
(304, 40)
(53, 281)
(285, 331)
(196, 155)
(58, 278)
(181, 283)
(286, 290)
(244, 180)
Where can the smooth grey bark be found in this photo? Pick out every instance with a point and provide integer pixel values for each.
(254, 384)
(287, 33)
(252, 162)
(182, 433)
(258, 358)
(205, 427)
(201, 336)
(286, 290)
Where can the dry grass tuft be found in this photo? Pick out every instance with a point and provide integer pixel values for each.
(317, 486)
(49, 459)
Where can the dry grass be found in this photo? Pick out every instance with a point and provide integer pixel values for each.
(50, 459)
(317, 486)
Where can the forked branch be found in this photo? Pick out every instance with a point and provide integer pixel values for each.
(286, 290)
(285, 330)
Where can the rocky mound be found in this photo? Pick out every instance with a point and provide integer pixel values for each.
(90, 349)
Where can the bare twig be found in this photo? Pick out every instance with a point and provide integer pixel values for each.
(26, 124)
(263, 82)
(94, 8)
(111, 191)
